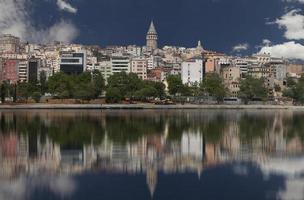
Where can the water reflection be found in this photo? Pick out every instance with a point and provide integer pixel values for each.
(47, 154)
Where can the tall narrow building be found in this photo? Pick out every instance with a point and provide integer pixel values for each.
(152, 37)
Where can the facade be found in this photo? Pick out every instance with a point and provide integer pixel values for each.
(152, 37)
(9, 43)
(33, 67)
(231, 76)
(23, 70)
(192, 72)
(139, 67)
(105, 67)
(120, 64)
(242, 64)
(72, 63)
(9, 71)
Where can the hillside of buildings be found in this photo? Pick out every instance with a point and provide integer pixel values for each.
(71, 73)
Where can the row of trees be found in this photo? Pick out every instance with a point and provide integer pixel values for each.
(86, 86)
(120, 86)
(129, 86)
(213, 86)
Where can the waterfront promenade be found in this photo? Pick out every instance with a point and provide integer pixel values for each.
(143, 106)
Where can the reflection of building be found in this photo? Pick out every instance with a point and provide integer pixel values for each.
(196, 149)
(192, 145)
(152, 180)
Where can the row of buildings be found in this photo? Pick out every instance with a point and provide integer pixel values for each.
(25, 62)
(29, 154)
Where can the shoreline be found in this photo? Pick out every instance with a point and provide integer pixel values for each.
(142, 107)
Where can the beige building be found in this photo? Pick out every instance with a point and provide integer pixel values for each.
(212, 61)
(9, 43)
(231, 76)
(139, 66)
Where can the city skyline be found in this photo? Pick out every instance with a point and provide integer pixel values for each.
(231, 27)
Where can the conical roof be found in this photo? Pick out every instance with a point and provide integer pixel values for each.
(152, 29)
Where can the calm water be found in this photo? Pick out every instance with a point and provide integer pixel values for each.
(141, 155)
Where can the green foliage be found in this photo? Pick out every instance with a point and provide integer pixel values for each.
(3, 91)
(290, 82)
(145, 93)
(60, 85)
(122, 85)
(251, 88)
(36, 96)
(213, 85)
(175, 85)
(98, 83)
(127, 84)
(43, 82)
(158, 86)
(277, 88)
(113, 95)
(298, 91)
(295, 91)
(85, 86)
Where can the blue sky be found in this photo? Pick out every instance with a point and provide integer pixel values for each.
(229, 26)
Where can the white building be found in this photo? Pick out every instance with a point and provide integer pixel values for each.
(105, 67)
(151, 62)
(22, 70)
(120, 64)
(192, 71)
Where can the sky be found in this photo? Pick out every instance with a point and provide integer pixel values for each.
(235, 27)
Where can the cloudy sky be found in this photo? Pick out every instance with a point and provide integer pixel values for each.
(229, 26)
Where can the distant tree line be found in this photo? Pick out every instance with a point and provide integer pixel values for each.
(128, 86)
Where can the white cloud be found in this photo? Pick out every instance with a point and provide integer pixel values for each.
(299, 1)
(293, 24)
(291, 170)
(240, 47)
(266, 42)
(290, 50)
(63, 5)
(15, 19)
(17, 189)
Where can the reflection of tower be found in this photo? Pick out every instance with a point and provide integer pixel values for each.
(23, 146)
(152, 37)
(152, 179)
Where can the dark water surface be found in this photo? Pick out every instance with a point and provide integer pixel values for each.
(156, 154)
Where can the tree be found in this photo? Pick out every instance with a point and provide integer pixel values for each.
(290, 82)
(23, 90)
(43, 82)
(127, 84)
(145, 93)
(251, 88)
(3, 92)
(83, 91)
(158, 86)
(214, 86)
(98, 83)
(36, 96)
(277, 88)
(175, 85)
(113, 95)
(61, 85)
(298, 91)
